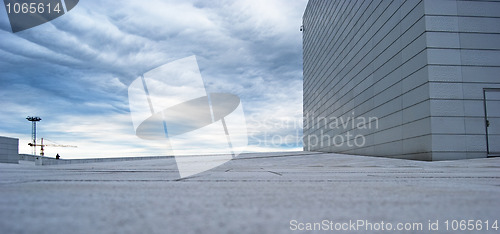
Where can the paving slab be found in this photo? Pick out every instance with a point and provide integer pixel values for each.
(254, 193)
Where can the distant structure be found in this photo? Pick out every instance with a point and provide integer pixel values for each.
(42, 145)
(406, 79)
(34, 120)
(9, 150)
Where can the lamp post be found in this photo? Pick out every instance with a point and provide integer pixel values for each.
(33, 120)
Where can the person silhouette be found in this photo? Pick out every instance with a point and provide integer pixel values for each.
(57, 156)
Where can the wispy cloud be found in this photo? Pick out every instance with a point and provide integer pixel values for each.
(74, 71)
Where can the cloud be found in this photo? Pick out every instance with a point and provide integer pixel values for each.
(74, 71)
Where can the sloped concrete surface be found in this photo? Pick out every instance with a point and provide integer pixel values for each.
(255, 193)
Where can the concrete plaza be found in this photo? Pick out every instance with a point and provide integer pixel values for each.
(254, 193)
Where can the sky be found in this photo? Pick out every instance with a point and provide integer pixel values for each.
(74, 72)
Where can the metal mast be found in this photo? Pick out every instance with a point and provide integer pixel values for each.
(33, 120)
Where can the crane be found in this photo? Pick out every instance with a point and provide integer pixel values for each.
(51, 145)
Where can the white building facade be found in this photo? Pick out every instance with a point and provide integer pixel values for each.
(414, 79)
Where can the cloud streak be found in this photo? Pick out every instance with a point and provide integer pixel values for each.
(74, 71)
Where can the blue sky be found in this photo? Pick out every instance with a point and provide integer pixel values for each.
(74, 71)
